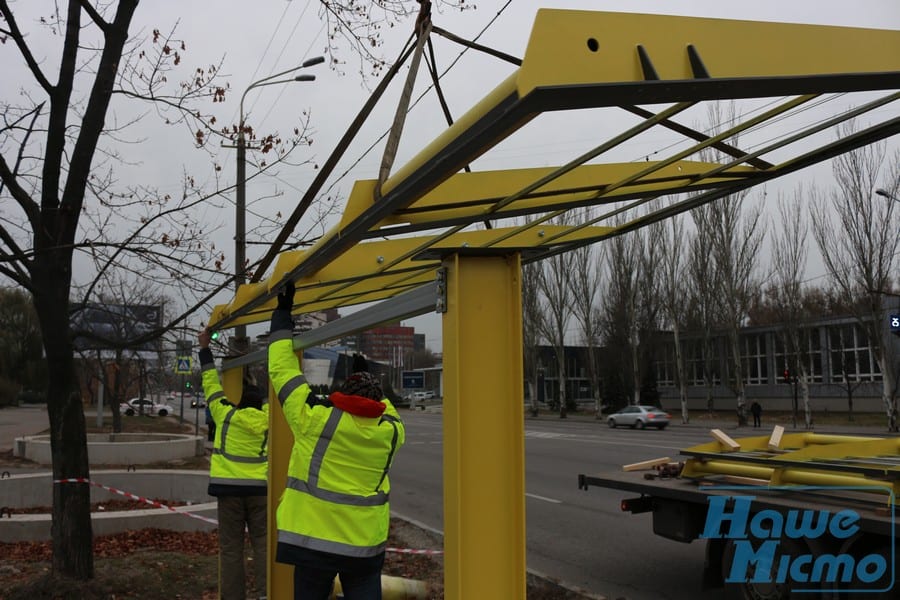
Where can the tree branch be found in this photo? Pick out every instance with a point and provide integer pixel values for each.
(95, 16)
(25, 201)
(19, 39)
(115, 36)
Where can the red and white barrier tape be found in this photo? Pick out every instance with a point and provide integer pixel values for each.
(410, 551)
(200, 517)
(135, 497)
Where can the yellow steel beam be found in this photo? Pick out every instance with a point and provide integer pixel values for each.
(584, 48)
(380, 269)
(484, 448)
(804, 459)
(470, 196)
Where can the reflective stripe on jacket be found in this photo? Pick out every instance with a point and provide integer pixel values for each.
(336, 497)
(239, 463)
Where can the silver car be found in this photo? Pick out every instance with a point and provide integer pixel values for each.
(639, 416)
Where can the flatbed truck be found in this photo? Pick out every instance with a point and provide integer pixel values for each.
(785, 516)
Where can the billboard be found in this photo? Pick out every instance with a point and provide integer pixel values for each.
(413, 380)
(97, 326)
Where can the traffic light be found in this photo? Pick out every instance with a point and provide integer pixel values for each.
(187, 385)
(215, 335)
(786, 374)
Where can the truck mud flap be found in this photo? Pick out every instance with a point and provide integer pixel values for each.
(676, 520)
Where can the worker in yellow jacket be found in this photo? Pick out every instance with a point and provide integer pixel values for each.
(238, 476)
(334, 515)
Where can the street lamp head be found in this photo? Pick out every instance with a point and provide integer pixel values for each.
(316, 60)
(886, 194)
(305, 78)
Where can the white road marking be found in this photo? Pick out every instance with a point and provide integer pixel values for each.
(544, 498)
(547, 434)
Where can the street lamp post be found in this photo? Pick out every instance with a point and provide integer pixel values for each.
(887, 194)
(240, 342)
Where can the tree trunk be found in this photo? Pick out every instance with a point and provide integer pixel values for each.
(804, 394)
(532, 385)
(680, 375)
(890, 405)
(563, 409)
(738, 379)
(635, 366)
(71, 529)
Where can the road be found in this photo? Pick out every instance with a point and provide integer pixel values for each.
(19, 421)
(580, 537)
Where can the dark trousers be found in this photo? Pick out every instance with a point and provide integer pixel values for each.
(235, 513)
(314, 574)
(756, 420)
(316, 584)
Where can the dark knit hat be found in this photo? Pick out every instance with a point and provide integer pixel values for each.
(252, 396)
(363, 384)
(359, 363)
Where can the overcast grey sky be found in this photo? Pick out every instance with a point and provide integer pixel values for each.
(267, 36)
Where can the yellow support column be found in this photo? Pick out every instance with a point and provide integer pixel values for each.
(484, 449)
(280, 577)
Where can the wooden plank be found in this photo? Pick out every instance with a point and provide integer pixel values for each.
(723, 439)
(647, 464)
(775, 439)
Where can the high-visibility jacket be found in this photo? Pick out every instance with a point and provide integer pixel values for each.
(337, 491)
(239, 465)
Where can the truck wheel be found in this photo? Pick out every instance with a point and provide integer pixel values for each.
(763, 590)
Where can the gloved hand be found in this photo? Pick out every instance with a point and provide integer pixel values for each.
(286, 296)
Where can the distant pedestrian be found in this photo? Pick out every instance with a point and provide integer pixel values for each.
(756, 409)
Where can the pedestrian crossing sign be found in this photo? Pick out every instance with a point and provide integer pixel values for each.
(183, 365)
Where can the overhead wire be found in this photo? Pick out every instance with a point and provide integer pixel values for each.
(371, 147)
(313, 191)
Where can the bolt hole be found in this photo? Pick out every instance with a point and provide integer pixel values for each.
(593, 45)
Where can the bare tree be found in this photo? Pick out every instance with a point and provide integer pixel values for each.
(21, 367)
(703, 289)
(107, 336)
(648, 310)
(586, 286)
(673, 293)
(856, 232)
(620, 322)
(66, 205)
(737, 237)
(555, 284)
(789, 266)
(531, 326)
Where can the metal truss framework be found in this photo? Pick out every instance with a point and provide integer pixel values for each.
(427, 216)
(589, 60)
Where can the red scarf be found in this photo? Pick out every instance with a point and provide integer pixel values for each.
(357, 405)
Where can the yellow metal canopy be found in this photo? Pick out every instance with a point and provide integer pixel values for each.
(652, 69)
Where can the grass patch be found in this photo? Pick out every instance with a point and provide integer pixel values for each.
(150, 575)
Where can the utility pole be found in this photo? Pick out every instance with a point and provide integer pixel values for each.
(239, 342)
